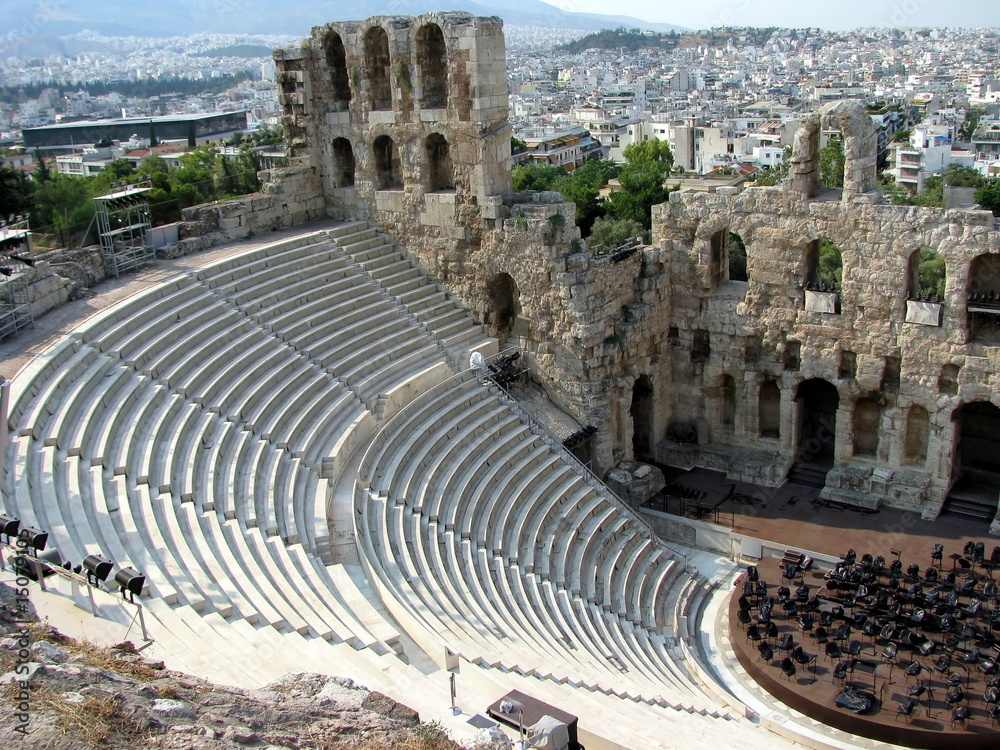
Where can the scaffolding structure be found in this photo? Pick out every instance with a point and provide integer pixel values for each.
(15, 298)
(123, 221)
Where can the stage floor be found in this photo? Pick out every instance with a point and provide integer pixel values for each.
(813, 689)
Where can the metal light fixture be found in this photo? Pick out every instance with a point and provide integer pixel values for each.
(34, 538)
(98, 568)
(130, 581)
(9, 527)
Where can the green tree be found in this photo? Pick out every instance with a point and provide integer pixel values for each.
(643, 181)
(931, 273)
(831, 265)
(774, 175)
(248, 165)
(16, 192)
(988, 196)
(43, 173)
(192, 139)
(609, 231)
(583, 188)
(517, 145)
(956, 175)
(972, 117)
(536, 176)
(831, 164)
(902, 136)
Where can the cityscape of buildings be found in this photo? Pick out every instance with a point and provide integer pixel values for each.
(728, 101)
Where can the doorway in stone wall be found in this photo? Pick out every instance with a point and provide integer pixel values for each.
(641, 411)
(503, 307)
(818, 402)
(976, 472)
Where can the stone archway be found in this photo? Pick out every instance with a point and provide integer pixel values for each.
(641, 411)
(818, 405)
(976, 481)
(503, 306)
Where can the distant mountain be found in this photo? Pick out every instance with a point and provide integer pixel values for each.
(185, 17)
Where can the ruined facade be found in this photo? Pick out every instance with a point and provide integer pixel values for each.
(888, 393)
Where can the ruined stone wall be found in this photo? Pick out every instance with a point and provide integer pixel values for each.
(754, 328)
(434, 86)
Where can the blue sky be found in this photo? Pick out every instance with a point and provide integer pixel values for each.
(840, 14)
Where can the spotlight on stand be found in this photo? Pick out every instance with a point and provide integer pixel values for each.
(7, 271)
(34, 538)
(22, 259)
(9, 527)
(50, 559)
(98, 569)
(130, 581)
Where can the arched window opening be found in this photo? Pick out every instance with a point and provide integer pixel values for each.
(504, 306)
(378, 65)
(823, 266)
(984, 299)
(727, 402)
(737, 257)
(867, 415)
(343, 163)
(432, 57)
(641, 411)
(388, 170)
(336, 63)
(769, 410)
(917, 432)
(926, 276)
(717, 261)
(439, 168)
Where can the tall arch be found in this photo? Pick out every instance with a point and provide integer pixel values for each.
(823, 266)
(336, 63)
(728, 258)
(860, 149)
(727, 401)
(925, 275)
(769, 410)
(377, 67)
(432, 57)
(439, 168)
(915, 439)
(388, 169)
(818, 404)
(343, 163)
(641, 410)
(504, 305)
(867, 416)
(983, 295)
(977, 459)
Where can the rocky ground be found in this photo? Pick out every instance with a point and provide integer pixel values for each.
(57, 693)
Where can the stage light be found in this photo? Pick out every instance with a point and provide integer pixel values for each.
(98, 568)
(130, 581)
(9, 527)
(34, 538)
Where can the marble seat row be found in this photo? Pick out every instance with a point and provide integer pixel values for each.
(439, 501)
(184, 433)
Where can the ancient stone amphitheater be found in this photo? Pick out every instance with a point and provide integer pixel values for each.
(213, 431)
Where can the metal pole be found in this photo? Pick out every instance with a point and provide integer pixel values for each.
(142, 624)
(90, 594)
(38, 572)
(455, 710)
(4, 408)
(3, 564)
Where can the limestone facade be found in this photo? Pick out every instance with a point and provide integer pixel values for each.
(402, 121)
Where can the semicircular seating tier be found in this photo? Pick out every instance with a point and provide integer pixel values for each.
(192, 431)
(486, 540)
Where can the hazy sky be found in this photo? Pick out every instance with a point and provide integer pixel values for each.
(838, 14)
